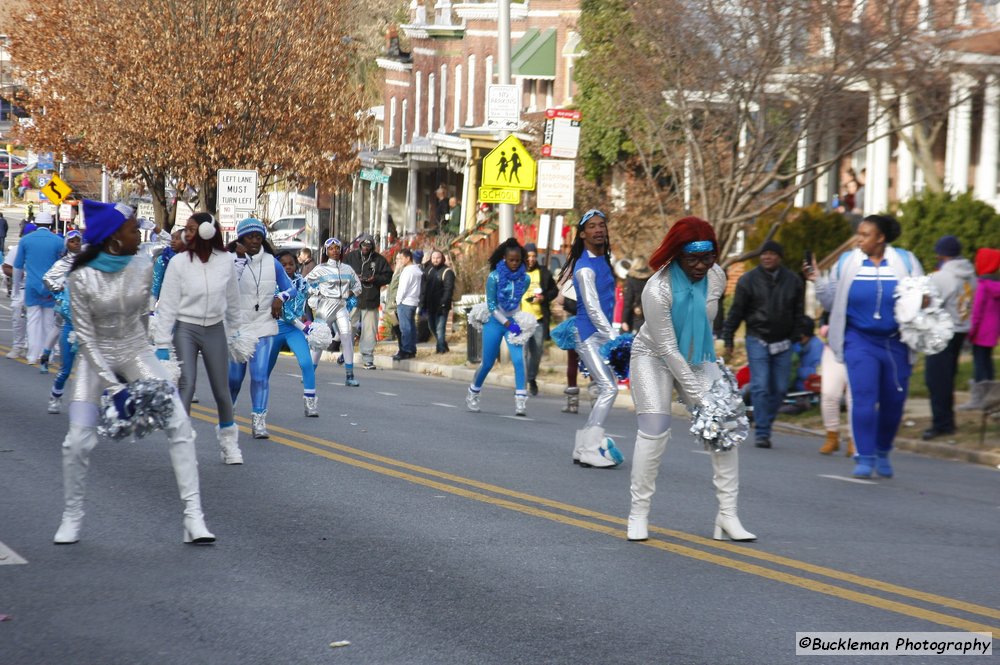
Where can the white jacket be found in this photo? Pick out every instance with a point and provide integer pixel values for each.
(199, 293)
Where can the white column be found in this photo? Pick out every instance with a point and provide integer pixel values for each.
(418, 78)
(904, 158)
(411, 198)
(443, 119)
(488, 71)
(403, 134)
(431, 99)
(470, 111)
(877, 158)
(392, 122)
(458, 98)
(989, 141)
(959, 148)
(801, 168)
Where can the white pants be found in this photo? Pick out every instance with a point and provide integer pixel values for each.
(18, 323)
(41, 321)
(834, 386)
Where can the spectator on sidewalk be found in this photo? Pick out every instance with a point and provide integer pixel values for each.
(306, 262)
(542, 290)
(407, 301)
(36, 254)
(984, 326)
(955, 279)
(18, 320)
(864, 334)
(834, 389)
(639, 273)
(439, 287)
(4, 228)
(25, 185)
(374, 272)
(770, 300)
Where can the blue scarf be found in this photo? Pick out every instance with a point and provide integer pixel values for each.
(110, 262)
(510, 286)
(690, 317)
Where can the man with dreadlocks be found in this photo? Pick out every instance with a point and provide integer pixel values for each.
(594, 282)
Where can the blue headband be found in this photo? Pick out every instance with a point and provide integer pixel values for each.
(590, 213)
(698, 246)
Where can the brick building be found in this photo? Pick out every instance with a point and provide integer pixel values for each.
(433, 124)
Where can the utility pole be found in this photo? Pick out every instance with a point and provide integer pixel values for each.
(503, 55)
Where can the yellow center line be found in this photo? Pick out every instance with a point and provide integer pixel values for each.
(202, 413)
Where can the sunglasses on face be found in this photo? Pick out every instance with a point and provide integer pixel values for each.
(694, 260)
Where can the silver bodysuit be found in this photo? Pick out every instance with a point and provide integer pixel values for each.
(657, 362)
(330, 285)
(111, 321)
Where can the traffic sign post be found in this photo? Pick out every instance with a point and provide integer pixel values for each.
(56, 190)
(509, 166)
(503, 107)
(562, 133)
(499, 195)
(556, 184)
(236, 195)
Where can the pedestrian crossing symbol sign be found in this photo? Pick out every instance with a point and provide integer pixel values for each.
(509, 166)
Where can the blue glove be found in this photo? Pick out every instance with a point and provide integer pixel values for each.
(162, 354)
(123, 404)
(352, 302)
(514, 328)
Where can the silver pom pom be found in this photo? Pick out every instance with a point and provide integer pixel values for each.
(720, 422)
(479, 315)
(242, 347)
(173, 367)
(923, 329)
(152, 402)
(319, 336)
(527, 323)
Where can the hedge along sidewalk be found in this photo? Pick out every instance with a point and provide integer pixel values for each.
(502, 375)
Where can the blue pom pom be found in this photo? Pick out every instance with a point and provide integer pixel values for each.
(617, 353)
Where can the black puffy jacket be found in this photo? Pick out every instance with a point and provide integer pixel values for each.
(772, 307)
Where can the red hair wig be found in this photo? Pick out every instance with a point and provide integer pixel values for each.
(683, 231)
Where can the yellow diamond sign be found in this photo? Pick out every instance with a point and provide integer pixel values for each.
(509, 166)
(56, 190)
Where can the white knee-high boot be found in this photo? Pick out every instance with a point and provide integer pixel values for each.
(645, 467)
(185, 463)
(726, 466)
(76, 449)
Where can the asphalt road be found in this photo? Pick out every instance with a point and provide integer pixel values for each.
(422, 533)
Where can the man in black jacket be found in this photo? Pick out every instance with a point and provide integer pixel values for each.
(770, 299)
(374, 272)
(540, 293)
(439, 287)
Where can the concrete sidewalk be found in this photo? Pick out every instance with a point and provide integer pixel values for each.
(551, 381)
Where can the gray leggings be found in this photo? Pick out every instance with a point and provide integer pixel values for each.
(189, 339)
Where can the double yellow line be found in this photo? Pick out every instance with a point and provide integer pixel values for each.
(736, 557)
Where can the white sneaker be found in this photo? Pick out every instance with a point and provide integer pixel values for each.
(55, 403)
(229, 444)
(472, 400)
(520, 405)
(310, 407)
(16, 352)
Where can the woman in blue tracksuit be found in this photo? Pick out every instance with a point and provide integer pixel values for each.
(864, 335)
(505, 286)
(292, 331)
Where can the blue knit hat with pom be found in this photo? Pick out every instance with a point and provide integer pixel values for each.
(250, 225)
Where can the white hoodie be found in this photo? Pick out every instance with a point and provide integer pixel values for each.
(198, 293)
(956, 280)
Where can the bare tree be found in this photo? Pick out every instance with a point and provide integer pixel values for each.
(176, 89)
(729, 107)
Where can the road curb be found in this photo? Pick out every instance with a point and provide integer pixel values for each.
(624, 400)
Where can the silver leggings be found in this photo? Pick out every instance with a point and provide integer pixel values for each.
(189, 339)
(607, 386)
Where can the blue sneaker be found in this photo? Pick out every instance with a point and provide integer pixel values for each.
(863, 467)
(882, 466)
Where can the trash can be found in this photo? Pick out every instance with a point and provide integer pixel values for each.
(473, 343)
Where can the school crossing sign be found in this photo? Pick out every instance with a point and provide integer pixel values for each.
(509, 166)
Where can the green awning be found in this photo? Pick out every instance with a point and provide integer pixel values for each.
(535, 55)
